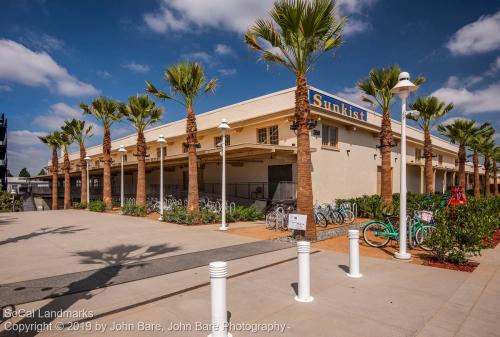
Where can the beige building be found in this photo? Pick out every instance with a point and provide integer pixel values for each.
(261, 153)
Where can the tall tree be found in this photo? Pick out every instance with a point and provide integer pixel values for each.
(187, 80)
(80, 132)
(428, 111)
(105, 110)
(142, 112)
(24, 173)
(66, 140)
(476, 142)
(495, 159)
(297, 35)
(52, 140)
(377, 91)
(487, 150)
(462, 132)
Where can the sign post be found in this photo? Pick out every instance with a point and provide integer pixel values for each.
(297, 221)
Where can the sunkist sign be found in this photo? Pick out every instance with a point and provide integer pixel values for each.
(337, 106)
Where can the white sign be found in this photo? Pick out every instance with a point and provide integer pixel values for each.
(297, 221)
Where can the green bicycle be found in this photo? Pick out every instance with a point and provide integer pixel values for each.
(378, 233)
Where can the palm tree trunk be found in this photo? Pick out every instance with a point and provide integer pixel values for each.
(477, 183)
(67, 181)
(386, 148)
(429, 175)
(487, 191)
(461, 166)
(83, 172)
(106, 149)
(192, 140)
(141, 169)
(495, 178)
(304, 180)
(55, 169)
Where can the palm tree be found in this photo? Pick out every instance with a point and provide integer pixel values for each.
(77, 129)
(428, 111)
(187, 80)
(495, 159)
(53, 141)
(141, 111)
(105, 110)
(66, 140)
(377, 91)
(461, 131)
(475, 145)
(487, 149)
(298, 33)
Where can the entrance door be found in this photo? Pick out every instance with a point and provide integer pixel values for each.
(275, 175)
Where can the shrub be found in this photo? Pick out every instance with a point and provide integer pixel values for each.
(243, 213)
(134, 210)
(6, 202)
(461, 230)
(97, 206)
(180, 215)
(80, 205)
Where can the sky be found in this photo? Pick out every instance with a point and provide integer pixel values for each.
(55, 54)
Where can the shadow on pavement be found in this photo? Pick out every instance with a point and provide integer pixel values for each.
(114, 259)
(44, 231)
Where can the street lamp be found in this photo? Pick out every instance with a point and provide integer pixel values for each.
(87, 160)
(403, 88)
(224, 128)
(13, 193)
(122, 154)
(161, 141)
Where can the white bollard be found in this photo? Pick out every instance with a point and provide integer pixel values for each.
(304, 291)
(354, 254)
(218, 275)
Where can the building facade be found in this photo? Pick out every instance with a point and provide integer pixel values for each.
(262, 152)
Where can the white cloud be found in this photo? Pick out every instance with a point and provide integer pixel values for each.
(200, 56)
(477, 37)
(34, 157)
(496, 65)
(352, 94)
(354, 26)
(223, 49)
(234, 15)
(227, 72)
(56, 116)
(451, 120)
(465, 82)
(136, 67)
(42, 41)
(5, 88)
(103, 74)
(486, 99)
(24, 137)
(19, 64)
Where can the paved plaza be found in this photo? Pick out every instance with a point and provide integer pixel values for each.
(139, 277)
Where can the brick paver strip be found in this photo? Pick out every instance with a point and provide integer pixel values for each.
(54, 286)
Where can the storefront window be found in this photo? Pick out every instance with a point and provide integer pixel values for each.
(329, 135)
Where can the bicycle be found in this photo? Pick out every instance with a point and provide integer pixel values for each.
(378, 233)
(277, 216)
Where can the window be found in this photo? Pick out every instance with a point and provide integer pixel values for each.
(440, 159)
(78, 183)
(218, 140)
(418, 154)
(158, 152)
(329, 135)
(124, 158)
(268, 135)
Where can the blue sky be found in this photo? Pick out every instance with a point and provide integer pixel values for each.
(55, 54)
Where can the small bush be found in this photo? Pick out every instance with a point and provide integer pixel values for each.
(134, 210)
(243, 213)
(80, 205)
(97, 206)
(180, 215)
(462, 230)
(6, 202)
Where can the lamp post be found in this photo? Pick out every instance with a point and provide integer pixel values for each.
(87, 160)
(161, 141)
(224, 128)
(403, 88)
(13, 193)
(122, 193)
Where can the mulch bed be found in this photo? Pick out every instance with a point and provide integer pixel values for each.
(495, 239)
(467, 267)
